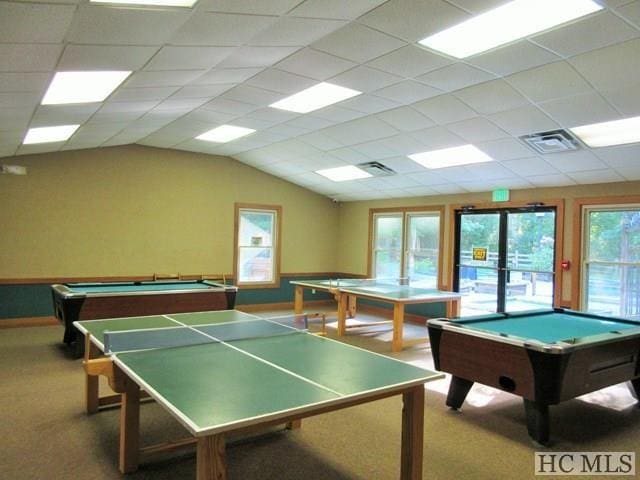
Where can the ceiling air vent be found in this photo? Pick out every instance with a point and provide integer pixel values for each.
(376, 169)
(556, 141)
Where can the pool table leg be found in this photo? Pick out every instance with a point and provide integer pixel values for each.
(537, 420)
(635, 388)
(458, 390)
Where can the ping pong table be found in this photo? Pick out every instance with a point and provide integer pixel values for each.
(227, 372)
(398, 292)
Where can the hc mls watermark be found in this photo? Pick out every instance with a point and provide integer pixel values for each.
(585, 463)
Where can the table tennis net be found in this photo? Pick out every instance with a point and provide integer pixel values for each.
(183, 335)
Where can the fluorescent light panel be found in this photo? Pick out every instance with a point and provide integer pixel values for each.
(341, 174)
(315, 97)
(509, 22)
(59, 133)
(161, 3)
(82, 87)
(225, 133)
(451, 157)
(618, 132)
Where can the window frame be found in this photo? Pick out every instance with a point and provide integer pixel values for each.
(405, 213)
(276, 210)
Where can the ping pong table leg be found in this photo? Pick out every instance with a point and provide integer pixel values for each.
(412, 434)
(298, 299)
(343, 303)
(91, 382)
(453, 308)
(398, 327)
(130, 427)
(210, 460)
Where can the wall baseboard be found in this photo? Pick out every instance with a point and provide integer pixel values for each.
(28, 322)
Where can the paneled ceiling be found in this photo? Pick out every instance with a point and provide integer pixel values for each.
(225, 61)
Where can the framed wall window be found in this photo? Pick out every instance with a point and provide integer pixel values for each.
(405, 243)
(610, 261)
(257, 245)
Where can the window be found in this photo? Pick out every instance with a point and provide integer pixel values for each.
(257, 241)
(405, 243)
(611, 260)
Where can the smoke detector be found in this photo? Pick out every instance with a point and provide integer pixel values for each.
(556, 141)
(376, 169)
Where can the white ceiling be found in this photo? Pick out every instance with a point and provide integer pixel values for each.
(225, 61)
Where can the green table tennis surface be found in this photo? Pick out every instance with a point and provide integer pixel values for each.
(217, 386)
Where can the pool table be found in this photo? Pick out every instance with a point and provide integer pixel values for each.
(90, 301)
(545, 357)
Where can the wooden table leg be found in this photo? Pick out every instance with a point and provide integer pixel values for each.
(130, 427)
(298, 299)
(398, 327)
(412, 434)
(91, 382)
(352, 305)
(343, 301)
(210, 459)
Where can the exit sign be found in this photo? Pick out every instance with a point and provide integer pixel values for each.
(500, 195)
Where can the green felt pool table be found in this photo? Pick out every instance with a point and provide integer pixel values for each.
(545, 357)
(90, 301)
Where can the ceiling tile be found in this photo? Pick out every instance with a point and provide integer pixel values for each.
(358, 43)
(226, 105)
(596, 176)
(24, 82)
(162, 79)
(552, 180)
(28, 57)
(454, 77)
(34, 23)
(621, 156)
(46, 115)
(220, 29)
(19, 100)
(444, 109)
(365, 79)
(631, 12)
(555, 80)
(368, 104)
(625, 100)
(200, 91)
(255, 7)
(523, 121)
(575, 161)
(280, 81)
(405, 119)
(531, 166)
(94, 24)
(590, 33)
(103, 57)
(477, 129)
(288, 31)
(256, 56)
(409, 61)
(15, 118)
(320, 141)
(314, 64)
(337, 114)
(253, 95)
(436, 138)
(407, 92)
(513, 58)
(187, 58)
(334, 8)
(491, 97)
(612, 67)
(360, 130)
(403, 165)
(226, 75)
(580, 110)
(504, 149)
(414, 20)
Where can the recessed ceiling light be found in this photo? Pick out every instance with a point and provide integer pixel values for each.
(315, 97)
(82, 87)
(161, 3)
(451, 157)
(341, 174)
(224, 133)
(509, 22)
(59, 133)
(606, 134)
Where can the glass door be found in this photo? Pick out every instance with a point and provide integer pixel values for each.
(505, 259)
